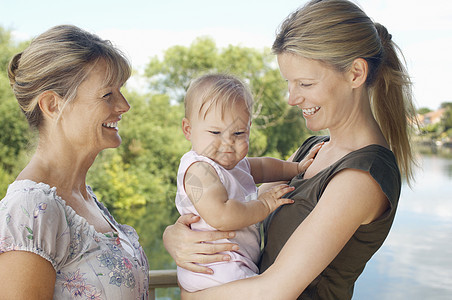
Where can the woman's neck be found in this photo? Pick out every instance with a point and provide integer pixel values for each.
(359, 128)
(64, 169)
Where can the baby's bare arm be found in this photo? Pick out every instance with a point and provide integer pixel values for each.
(210, 198)
(268, 169)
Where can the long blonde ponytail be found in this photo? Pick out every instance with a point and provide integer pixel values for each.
(391, 100)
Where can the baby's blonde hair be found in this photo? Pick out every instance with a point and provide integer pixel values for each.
(212, 90)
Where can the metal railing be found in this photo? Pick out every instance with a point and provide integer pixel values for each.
(161, 279)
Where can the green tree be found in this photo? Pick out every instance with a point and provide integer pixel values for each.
(181, 64)
(423, 110)
(15, 135)
(116, 186)
(152, 137)
(446, 120)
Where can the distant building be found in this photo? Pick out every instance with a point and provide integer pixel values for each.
(432, 117)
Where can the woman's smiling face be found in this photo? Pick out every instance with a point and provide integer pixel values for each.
(319, 91)
(91, 119)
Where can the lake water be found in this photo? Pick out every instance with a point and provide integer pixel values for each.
(415, 262)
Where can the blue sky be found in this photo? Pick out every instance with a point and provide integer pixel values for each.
(145, 28)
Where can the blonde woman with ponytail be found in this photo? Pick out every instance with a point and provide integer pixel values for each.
(345, 75)
(57, 241)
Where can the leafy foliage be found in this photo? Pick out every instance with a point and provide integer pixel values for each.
(446, 120)
(439, 131)
(423, 110)
(116, 186)
(15, 136)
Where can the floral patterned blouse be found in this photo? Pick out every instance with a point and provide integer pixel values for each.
(88, 264)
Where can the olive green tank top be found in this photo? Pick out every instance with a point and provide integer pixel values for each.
(337, 280)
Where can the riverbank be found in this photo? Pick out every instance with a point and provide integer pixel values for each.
(429, 146)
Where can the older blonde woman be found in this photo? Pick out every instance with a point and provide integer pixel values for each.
(56, 239)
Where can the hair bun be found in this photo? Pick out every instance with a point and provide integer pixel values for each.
(12, 68)
(385, 36)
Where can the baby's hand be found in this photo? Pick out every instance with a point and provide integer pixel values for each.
(307, 161)
(272, 198)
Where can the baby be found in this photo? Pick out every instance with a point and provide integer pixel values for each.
(218, 182)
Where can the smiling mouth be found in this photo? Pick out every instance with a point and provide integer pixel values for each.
(310, 111)
(113, 125)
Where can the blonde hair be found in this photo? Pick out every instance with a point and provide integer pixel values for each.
(337, 32)
(59, 60)
(214, 90)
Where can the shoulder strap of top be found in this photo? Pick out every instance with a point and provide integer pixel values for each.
(379, 162)
(307, 145)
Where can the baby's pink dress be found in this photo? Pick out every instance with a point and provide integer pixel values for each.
(240, 186)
